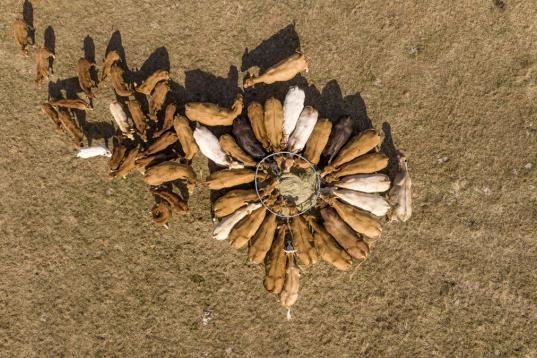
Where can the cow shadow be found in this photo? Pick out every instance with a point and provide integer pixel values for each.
(28, 17)
(69, 88)
(89, 54)
(388, 147)
(201, 86)
(329, 101)
(116, 44)
(157, 60)
(276, 48)
(50, 43)
(88, 47)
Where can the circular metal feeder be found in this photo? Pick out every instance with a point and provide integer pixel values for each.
(310, 201)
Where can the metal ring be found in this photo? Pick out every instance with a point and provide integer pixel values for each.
(317, 184)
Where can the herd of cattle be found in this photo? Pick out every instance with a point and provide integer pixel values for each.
(154, 138)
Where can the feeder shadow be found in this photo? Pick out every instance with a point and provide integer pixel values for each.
(28, 17)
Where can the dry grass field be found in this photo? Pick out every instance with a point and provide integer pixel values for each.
(84, 272)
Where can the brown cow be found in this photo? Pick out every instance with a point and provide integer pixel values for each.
(42, 62)
(22, 35)
(282, 71)
(84, 77)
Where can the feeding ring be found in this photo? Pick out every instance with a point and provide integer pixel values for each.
(299, 186)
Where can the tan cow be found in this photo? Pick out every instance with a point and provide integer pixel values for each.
(42, 62)
(21, 31)
(71, 127)
(282, 71)
(76, 103)
(302, 240)
(400, 195)
(289, 294)
(273, 116)
(211, 114)
(128, 164)
(150, 83)
(143, 162)
(365, 164)
(246, 228)
(360, 221)
(228, 178)
(170, 171)
(84, 77)
(161, 143)
(262, 240)
(157, 99)
(317, 140)
(357, 146)
(118, 81)
(185, 136)
(118, 154)
(233, 200)
(344, 235)
(167, 124)
(176, 202)
(329, 250)
(256, 115)
(138, 117)
(111, 58)
(161, 213)
(51, 114)
(231, 148)
(275, 266)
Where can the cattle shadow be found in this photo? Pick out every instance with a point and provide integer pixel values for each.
(64, 88)
(50, 44)
(94, 130)
(28, 17)
(388, 147)
(157, 60)
(329, 101)
(49, 38)
(89, 54)
(89, 49)
(279, 46)
(116, 44)
(69, 88)
(201, 86)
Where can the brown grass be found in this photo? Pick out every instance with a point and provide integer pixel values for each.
(84, 273)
